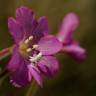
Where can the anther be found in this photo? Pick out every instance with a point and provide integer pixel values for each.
(35, 46)
(29, 50)
(30, 38)
(26, 41)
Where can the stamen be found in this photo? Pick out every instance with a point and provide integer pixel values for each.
(30, 38)
(35, 46)
(26, 41)
(29, 50)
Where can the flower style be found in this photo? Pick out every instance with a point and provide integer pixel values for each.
(34, 48)
(70, 46)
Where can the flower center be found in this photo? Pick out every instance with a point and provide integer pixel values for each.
(25, 50)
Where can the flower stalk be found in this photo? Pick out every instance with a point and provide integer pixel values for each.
(32, 89)
(6, 52)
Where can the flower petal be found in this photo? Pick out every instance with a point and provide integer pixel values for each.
(30, 25)
(49, 45)
(19, 78)
(41, 29)
(15, 61)
(24, 15)
(43, 23)
(34, 72)
(26, 25)
(48, 65)
(75, 51)
(43, 68)
(69, 25)
(15, 29)
(27, 20)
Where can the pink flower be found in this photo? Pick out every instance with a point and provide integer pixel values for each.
(33, 54)
(70, 46)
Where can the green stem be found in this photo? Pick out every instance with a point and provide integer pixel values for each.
(32, 89)
(3, 78)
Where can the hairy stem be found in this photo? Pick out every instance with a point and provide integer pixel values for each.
(6, 52)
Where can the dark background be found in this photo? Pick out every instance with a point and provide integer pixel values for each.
(73, 79)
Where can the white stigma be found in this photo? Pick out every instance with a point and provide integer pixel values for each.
(36, 57)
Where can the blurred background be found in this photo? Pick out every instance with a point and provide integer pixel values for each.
(73, 79)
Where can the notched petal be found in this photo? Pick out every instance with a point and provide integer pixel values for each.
(24, 13)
